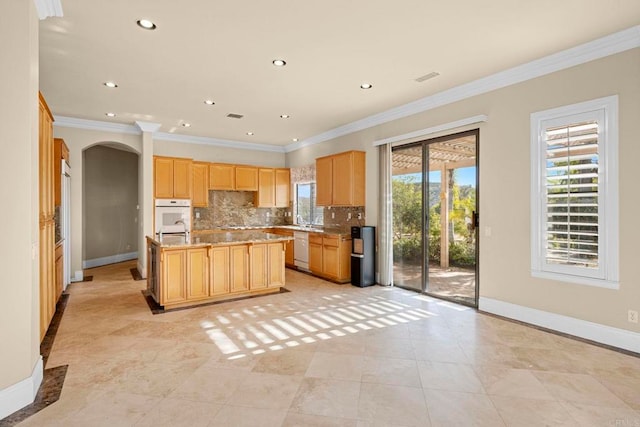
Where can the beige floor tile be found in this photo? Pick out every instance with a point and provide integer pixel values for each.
(439, 351)
(393, 405)
(518, 412)
(448, 408)
(327, 397)
(242, 416)
(337, 366)
(284, 362)
(449, 376)
(304, 420)
(179, 413)
(209, 385)
(351, 344)
(384, 370)
(389, 347)
(267, 391)
(599, 416)
(623, 386)
(578, 388)
(503, 381)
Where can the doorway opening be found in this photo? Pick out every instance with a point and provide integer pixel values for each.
(435, 217)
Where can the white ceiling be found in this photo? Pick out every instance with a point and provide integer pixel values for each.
(222, 50)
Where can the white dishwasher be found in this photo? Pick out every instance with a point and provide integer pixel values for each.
(301, 249)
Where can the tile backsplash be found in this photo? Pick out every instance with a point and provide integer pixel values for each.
(235, 209)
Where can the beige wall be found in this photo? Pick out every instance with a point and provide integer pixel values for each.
(19, 288)
(505, 182)
(210, 153)
(110, 200)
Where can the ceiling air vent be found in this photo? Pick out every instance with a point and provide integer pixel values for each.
(427, 76)
(235, 116)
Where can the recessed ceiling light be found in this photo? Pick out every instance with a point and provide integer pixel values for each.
(284, 116)
(209, 102)
(295, 139)
(110, 85)
(366, 86)
(279, 62)
(249, 133)
(110, 114)
(186, 125)
(146, 24)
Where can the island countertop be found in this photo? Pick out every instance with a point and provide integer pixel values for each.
(219, 239)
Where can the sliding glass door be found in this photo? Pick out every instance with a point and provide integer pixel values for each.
(435, 207)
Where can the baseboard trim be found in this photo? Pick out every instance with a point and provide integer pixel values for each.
(603, 334)
(97, 262)
(19, 395)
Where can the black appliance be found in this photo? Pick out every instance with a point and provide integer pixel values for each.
(363, 256)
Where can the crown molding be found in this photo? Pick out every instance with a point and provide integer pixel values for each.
(590, 51)
(96, 125)
(148, 126)
(202, 140)
(48, 8)
(434, 129)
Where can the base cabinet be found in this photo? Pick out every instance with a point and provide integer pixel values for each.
(330, 256)
(183, 276)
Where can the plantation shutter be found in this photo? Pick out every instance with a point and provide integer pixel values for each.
(572, 223)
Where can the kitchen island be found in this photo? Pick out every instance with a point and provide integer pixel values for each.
(214, 267)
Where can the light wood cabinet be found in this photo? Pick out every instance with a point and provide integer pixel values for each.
(340, 179)
(267, 265)
(222, 177)
(246, 178)
(197, 273)
(59, 270)
(266, 196)
(219, 281)
(60, 152)
(330, 256)
(200, 184)
(239, 268)
(283, 187)
(273, 188)
(46, 195)
(315, 253)
(289, 255)
(173, 264)
(172, 178)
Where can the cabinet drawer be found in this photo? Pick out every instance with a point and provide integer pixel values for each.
(315, 238)
(331, 241)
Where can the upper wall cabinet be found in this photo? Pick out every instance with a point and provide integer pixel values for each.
(340, 179)
(171, 178)
(229, 177)
(60, 152)
(200, 184)
(273, 188)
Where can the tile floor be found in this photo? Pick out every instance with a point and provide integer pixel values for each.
(323, 355)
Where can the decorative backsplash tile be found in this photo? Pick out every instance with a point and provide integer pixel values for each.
(236, 209)
(344, 217)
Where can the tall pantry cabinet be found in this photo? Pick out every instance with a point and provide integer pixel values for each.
(48, 293)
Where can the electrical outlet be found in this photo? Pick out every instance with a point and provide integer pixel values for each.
(632, 316)
(197, 215)
(349, 216)
(333, 215)
(359, 215)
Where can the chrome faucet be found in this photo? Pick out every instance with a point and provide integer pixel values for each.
(299, 218)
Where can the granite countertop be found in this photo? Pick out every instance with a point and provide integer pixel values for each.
(221, 239)
(311, 229)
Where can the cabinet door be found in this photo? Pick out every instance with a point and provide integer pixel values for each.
(219, 281)
(174, 276)
(222, 177)
(275, 258)
(289, 255)
(344, 260)
(315, 258)
(330, 261)
(59, 271)
(182, 178)
(162, 178)
(197, 273)
(324, 180)
(283, 188)
(266, 188)
(239, 274)
(200, 184)
(342, 185)
(246, 178)
(259, 266)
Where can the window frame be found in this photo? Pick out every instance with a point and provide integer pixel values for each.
(313, 205)
(605, 111)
